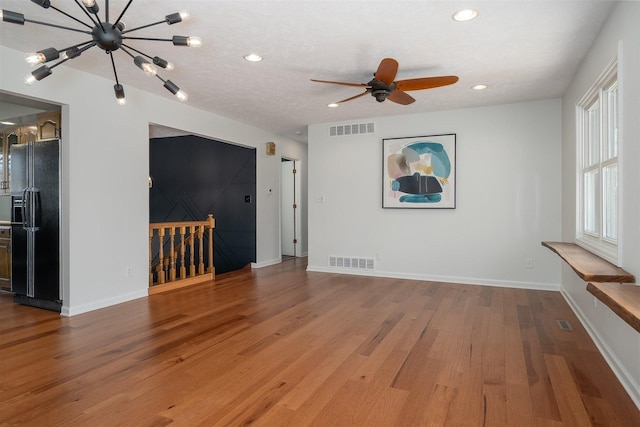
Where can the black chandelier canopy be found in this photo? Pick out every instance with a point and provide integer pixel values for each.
(109, 37)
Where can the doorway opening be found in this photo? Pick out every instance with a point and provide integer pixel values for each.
(289, 211)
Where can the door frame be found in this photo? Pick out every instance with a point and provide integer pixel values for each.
(297, 192)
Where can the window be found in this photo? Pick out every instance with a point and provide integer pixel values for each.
(597, 132)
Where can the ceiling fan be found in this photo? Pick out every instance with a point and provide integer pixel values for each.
(382, 86)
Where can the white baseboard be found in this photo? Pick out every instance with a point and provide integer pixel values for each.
(263, 264)
(445, 279)
(96, 305)
(623, 375)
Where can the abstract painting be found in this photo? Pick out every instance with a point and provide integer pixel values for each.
(419, 172)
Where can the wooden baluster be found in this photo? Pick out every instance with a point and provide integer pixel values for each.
(200, 243)
(192, 264)
(183, 268)
(150, 257)
(161, 275)
(172, 270)
(166, 269)
(211, 269)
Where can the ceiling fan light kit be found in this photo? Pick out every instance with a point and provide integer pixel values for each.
(109, 37)
(383, 86)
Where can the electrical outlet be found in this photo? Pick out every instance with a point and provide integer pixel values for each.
(528, 263)
(378, 256)
(595, 301)
(129, 271)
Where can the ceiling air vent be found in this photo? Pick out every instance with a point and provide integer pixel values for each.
(352, 129)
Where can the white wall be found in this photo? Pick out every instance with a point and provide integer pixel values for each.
(508, 198)
(619, 343)
(105, 167)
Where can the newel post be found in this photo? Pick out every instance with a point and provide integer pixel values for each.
(212, 224)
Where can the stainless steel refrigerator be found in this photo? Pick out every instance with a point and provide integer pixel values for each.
(35, 224)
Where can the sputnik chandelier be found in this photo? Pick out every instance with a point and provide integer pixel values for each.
(108, 37)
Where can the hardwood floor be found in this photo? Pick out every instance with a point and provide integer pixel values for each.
(282, 347)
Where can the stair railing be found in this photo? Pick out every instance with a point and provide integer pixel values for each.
(179, 259)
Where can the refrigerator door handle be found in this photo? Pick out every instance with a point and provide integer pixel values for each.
(23, 209)
(35, 206)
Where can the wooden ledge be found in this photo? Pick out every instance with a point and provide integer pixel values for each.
(623, 299)
(590, 267)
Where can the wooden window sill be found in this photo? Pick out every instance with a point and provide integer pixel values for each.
(590, 267)
(623, 299)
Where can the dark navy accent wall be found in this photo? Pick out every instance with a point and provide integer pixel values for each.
(194, 176)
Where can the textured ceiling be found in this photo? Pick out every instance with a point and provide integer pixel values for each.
(524, 50)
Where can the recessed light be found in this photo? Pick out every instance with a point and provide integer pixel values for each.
(333, 105)
(479, 87)
(465, 15)
(252, 57)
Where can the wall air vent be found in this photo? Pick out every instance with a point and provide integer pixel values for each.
(352, 263)
(352, 129)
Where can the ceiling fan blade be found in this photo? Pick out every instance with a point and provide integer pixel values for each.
(400, 97)
(387, 71)
(341, 83)
(425, 82)
(353, 97)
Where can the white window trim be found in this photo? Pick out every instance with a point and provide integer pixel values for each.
(597, 245)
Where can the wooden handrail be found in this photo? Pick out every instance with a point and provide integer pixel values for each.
(185, 233)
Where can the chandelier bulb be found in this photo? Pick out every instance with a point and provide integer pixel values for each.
(91, 5)
(182, 96)
(119, 90)
(71, 53)
(162, 63)
(194, 42)
(34, 58)
(174, 89)
(42, 56)
(186, 41)
(38, 75)
(185, 15)
(148, 68)
(29, 80)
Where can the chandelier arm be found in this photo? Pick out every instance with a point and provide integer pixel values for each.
(127, 52)
(147, 38)
(89, 46)
(136, 50)
(56, 26)
(77, 45)
(113, 64)
(96, 23)
(69, 16)
(122, 14)
(144, 26)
